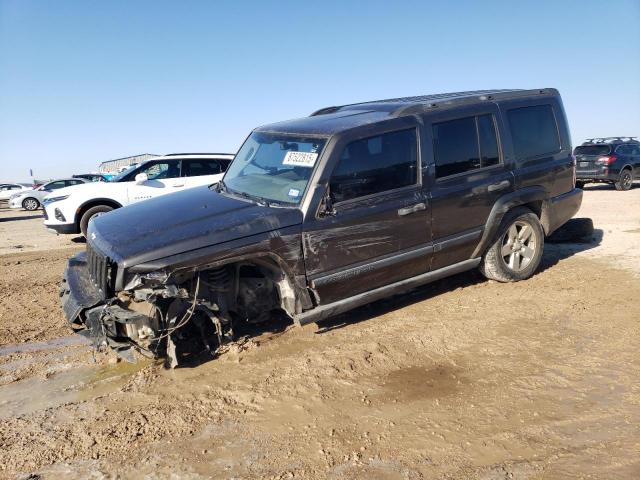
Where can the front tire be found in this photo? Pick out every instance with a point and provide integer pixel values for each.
(30, 204)
(89, 214)
(625, 181)
(517, 251)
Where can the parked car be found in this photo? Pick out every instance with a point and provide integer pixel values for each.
(92, 177)
(32, 198)
(319, 215)
(613, 160)
(8, 189)
(69, 211)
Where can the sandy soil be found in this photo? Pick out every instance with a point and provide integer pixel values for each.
(23, 231)
(462, 379)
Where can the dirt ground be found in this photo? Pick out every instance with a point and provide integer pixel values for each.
(461, 379)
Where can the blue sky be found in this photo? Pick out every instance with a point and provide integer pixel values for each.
(87, 81)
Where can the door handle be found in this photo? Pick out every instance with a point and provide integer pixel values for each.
(494, 187)
(412, 209)
(178, 185)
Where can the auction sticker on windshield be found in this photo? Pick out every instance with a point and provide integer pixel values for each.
(300, 159)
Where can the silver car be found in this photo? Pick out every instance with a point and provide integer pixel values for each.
(31, 199)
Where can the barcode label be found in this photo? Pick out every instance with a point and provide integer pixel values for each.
(300, 159)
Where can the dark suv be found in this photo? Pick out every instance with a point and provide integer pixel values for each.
(322, 214)
(614, 160)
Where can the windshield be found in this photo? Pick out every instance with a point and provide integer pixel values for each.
(592, 150)
(123, 174)
(273, 167)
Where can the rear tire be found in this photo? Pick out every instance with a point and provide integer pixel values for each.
(516, 253)
(580, 185)
(30, 204)
(89, 214)
(625, 181)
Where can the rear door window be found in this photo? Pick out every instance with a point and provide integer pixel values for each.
(376, 164)
(196, 168)
(456, 146)
(534, 131)
(488, 141)
(465, 144)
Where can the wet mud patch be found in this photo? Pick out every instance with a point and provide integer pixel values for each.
(65, 384)
(417, 383)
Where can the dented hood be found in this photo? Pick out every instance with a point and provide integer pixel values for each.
(180, 222)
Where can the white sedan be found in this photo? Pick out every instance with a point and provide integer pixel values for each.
(70, 209)
(8, 189)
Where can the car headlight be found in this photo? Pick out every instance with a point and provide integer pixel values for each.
(14, 196)
(49, 200)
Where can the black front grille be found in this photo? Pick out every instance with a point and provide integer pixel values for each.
(99, 270)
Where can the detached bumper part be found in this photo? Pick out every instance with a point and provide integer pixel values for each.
(111, 325)
(77, 292)
(85, 307)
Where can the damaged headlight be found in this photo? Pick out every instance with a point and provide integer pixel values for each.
(135, 280)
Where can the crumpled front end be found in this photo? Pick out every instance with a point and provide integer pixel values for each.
(91, 307)
(178, 316)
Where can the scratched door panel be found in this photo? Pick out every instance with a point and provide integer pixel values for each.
(368, 243)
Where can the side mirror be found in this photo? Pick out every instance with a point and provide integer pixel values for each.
(326, 207)
(141, 178)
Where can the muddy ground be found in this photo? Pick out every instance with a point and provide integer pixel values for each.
(462, 379)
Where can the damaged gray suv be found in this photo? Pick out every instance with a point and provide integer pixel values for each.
(322, 214)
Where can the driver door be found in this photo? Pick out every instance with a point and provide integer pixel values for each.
(163, 176)
(379, 230)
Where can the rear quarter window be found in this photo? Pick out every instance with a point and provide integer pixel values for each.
(534, 131)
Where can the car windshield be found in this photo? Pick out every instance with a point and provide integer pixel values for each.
(123, 174)
(273, 167)
(592, 150)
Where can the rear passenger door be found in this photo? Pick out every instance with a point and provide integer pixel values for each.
(468, 174)
(203, 171)
(379, 231)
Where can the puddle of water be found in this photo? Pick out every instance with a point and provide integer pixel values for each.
(73, 385)
(71, 340)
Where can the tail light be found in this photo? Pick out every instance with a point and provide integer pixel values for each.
(607, 160)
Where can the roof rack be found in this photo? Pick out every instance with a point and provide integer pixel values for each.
(610, 139)
(408, 105)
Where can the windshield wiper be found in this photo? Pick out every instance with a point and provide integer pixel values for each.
(254, 198)
(259, 200)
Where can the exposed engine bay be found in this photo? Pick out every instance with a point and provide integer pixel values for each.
(188, 314)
